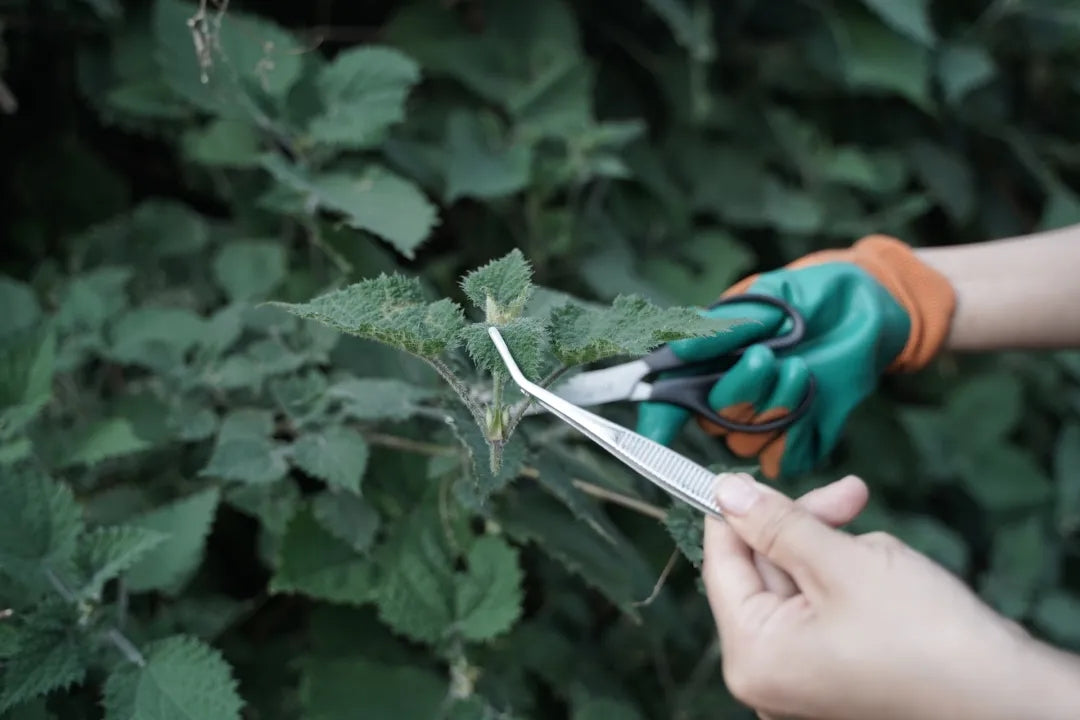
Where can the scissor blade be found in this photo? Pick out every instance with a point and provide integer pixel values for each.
(677, 475)
(603, 386)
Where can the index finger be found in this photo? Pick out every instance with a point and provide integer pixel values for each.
(728, 570)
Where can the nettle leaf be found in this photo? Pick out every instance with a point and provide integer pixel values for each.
(688, 27)
(1057, 613)
(874, 57)
(631, 326)
(482, 160)
(183, 679)
(102, 440)
(613, 568)
(527, 338)
(191, 420)
(347, 517)
(1003, 478)
(167, 228)
(489, 593)
(316, 563)
(378, 398)
(686, 527)
(985, 409)
(963, 68)
(249, 56)
(528, 60)
(40, 522)
(363, 93)
(417, 591)
(500, 288)
(374, 199)
(21, 308)
(106, 552)
(391, 309)
(301, 396)
(169, 565)
(948, 177)
(336, 455)
(556, 469)
(910, 17)
(27, 360)
(1067, 476)
(92, 298)
(1019, 565)
(245, 449)
(249, 269)
(334, 689)
(425, 599)
(223, 142)
(157, 337)
(260, 360)
(52, 655)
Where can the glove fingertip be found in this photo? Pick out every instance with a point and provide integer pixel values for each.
(660, 422)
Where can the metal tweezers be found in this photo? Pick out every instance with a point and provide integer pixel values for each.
(673, 473)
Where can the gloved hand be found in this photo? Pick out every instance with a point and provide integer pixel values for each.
(870, 309)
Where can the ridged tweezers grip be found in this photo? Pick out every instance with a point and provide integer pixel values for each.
(683, 476)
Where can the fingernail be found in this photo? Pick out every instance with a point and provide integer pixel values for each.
(735, 493)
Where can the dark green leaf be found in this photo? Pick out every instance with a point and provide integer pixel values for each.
(910, 17)
(374, 199)
(363, 93)
(391, 309)
(378, 398)
(631, 326)
(347, 517)
(249, 269)
(315, 563)
(182, 679)
(963, 68)
(169, 565)
(336, 455)
(482, 161)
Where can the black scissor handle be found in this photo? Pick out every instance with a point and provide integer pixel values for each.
(692, 391)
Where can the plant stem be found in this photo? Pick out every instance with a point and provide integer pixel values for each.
(458, 387)
(417, 446)
(611, 496)
(660, 582)
(518, 416)
(122, 643)
(626, 501)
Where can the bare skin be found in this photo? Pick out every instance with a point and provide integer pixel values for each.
(869, 627)
(1014, 293)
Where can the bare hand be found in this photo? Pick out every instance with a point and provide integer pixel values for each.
(870, 628)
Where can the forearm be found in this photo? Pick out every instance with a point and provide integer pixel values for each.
(1045, 686)
(1021, 292)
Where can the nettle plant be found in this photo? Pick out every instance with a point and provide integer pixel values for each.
(137, 406)
(563, 333)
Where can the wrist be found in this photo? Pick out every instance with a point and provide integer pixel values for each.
(1032, 681)
(1051, 683)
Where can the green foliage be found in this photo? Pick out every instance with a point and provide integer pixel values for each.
(391, 310)
(179, 678)
(258, 456)
(632, 326)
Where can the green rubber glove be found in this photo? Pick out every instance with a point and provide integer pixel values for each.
(871, 309)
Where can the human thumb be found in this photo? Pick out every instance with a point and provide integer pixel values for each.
(780, 530)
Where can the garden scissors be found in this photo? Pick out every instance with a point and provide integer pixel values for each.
(632, 381)
(669, 470)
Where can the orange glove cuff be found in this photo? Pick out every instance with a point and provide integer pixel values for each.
(926, 294)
